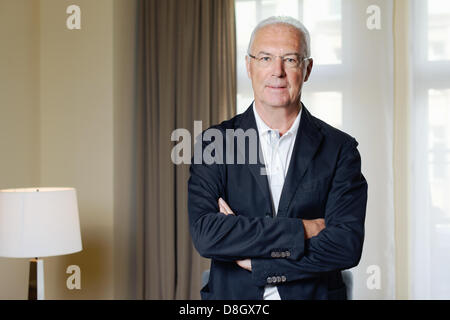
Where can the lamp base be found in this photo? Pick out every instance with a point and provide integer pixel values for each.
(36, 280)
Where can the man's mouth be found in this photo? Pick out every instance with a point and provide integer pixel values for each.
(276, 87)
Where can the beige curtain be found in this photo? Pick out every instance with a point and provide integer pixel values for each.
(186, 70)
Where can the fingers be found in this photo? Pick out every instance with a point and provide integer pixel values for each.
(306, 228)
(245, 264)
(313, 227)
(224, 208)
(225, 205)
(321, 223)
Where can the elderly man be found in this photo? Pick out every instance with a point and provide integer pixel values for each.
(285, 232)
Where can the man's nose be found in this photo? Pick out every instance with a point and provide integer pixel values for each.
(278, 67)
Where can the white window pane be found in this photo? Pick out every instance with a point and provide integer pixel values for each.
(438, 30)
(279, 8)
(439, 182)
(326, 106)
(243, 101)
(245, 22)
(431, 145)
(439, 148)
(323, 20)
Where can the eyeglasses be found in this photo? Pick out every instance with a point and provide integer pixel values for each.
(265, 60)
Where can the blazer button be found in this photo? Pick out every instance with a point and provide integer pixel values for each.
(288, 254)
(268, 215)
(274, 279)
(283, 254)
(273, 254)
(283, 279)
(269, 280)
(278, 279)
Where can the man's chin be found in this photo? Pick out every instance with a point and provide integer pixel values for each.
(275, 100)
(277, 103)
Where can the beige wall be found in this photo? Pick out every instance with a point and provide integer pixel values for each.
(19, 114)
(79, 104)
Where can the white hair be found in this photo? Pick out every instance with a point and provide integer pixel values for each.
(286, 21)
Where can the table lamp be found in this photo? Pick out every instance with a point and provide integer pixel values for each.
(36, 223)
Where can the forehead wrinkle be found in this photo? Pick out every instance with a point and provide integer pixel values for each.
(274, 31)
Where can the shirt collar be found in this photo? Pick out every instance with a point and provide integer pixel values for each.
(263, 128)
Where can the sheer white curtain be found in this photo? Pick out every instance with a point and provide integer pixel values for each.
(351, 88)
(430, 141)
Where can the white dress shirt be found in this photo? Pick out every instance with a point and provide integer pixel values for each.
(277, 152)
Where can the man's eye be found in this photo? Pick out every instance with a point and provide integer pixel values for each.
(291, 60)
(265, 59)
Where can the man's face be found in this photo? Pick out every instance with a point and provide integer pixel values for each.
(276, 85)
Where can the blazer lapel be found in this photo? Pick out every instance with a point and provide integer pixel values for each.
(307, 142)
(248, 122)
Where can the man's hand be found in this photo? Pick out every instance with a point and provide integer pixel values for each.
(245, 264)
(313, 227)
(225, 209)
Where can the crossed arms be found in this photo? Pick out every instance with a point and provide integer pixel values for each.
(309, 247)
(311, 227)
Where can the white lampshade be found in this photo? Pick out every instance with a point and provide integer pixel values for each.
(39, 222)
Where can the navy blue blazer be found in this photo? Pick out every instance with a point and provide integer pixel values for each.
(324, 180)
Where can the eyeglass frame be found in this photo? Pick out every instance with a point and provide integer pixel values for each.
(282, 57)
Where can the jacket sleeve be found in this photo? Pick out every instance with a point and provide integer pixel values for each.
(339, 245)
(234, 237)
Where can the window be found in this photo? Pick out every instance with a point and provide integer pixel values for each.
(431, 150)
(438, 30)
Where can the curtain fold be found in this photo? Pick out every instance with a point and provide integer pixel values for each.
(186, 72)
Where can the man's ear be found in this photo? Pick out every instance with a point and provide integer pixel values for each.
(247, 64)
(309, 67)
